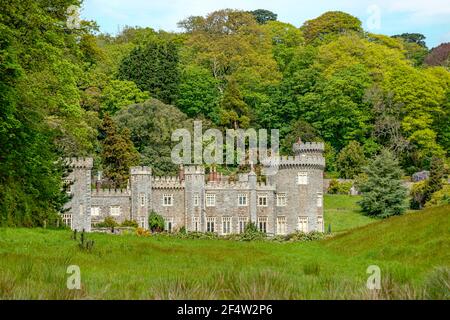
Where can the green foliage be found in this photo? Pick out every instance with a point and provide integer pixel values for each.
(383, 193)
(351, 160)
(154, 68)
(109, 222)
(198, 92)
(330, 23)
(417, 194)
(337, 187)
(118, 153)
(151, 125)
(155, 222)
(263, 16)
(118, 94)
(234, 112)
(129, 223)
(440, 197)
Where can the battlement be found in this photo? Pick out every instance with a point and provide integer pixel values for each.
(141, 170)
(172, 182)
(236, 185)
(306, 147)
(194, 169)
(85, 163)
(111, 193)
(300, 160)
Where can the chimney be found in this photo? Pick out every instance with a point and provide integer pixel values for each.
(181, 172)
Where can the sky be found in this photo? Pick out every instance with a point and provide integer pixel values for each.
(429, 17)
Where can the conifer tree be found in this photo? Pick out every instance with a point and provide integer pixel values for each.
(118, 152)
(234, 111)
(383, 194)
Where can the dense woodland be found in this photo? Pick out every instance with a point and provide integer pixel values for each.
(77, 92)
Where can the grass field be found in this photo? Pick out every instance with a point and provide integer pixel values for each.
(342, 213)
(412, 251)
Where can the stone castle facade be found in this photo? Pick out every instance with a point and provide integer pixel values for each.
(290, 200)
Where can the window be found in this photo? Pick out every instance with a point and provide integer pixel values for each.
(142, 222)
(302, 178)
(167, 200)
(303, 224)
(142, 199)
(196, 199)
(281, 225)
(243, 221)
(262, 224)
(196, 224)
(114, 210)
(168, 224)
(262, 200)
(210, 224)
(226, 225)
(81, 210)
(210, 200)
(281, 199)
(242, 200)
(320, 223)
(319, 200)
(67, 220)
(95, 211)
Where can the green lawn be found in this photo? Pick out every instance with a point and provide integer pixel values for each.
(33, 264)
(342, 213)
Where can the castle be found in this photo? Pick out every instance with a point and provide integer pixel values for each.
(290, 200)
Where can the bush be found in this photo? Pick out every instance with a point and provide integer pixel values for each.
(337, 187)
(417, 194)
(155, 222)
(440, 198)
(130, 223)
(107, 223)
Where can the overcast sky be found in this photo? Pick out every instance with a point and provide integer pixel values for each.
(429, 17)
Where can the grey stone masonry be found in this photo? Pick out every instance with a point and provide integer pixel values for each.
(290, 200)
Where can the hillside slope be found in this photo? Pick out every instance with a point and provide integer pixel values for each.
(420, 238)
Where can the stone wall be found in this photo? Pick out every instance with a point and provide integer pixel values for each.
(188, 192)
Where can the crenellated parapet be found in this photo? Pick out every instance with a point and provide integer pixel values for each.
(308, 147)
(228, 185)
(194, 169)
(82, 163)
(304, 160)
(111, 193)
(140, 170)
(172, 182)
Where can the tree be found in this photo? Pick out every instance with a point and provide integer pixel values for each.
(383, 193)
(40, 116)
(154, 68)
(416, 38)
(439, 56)
(118, 94)
(234, 111)
(118, 153)
(328, 24)
(198, 93)
(263, 16)
(151, 124)
(351, 160)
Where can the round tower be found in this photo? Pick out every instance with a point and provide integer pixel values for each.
(299, 188)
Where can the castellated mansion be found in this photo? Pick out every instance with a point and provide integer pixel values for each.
(290, 200)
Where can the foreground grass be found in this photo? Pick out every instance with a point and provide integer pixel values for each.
(408, 249)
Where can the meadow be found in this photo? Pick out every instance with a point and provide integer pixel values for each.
(412, 252)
